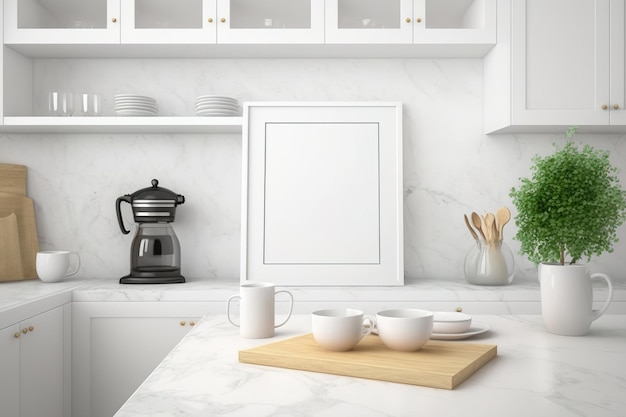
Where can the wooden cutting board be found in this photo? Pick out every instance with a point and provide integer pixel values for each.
(439, 364)
(10, 254)
(13, 179)
(27, 229)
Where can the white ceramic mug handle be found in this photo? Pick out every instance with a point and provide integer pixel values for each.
(367, 329)
(290, 307)
(232, 297)
(74, 271)
(598, 313)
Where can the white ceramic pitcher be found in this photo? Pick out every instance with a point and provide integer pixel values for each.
(567, 298)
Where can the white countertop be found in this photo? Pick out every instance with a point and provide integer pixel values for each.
(534, 374)
(521, 297)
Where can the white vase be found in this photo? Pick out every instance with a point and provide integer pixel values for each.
(567, 298)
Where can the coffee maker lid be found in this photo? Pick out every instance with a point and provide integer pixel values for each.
(156, 195)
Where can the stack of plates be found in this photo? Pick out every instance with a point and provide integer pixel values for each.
(134, 105)
(217, 106)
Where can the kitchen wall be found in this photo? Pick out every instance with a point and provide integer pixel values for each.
(450, 166)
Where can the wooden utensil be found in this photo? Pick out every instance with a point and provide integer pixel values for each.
(489, 227)
(10, 254)
(503, 215)
(477, 222)
(470, 228)
(13, 179)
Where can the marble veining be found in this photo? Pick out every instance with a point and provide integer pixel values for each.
(535, 373)
(450, 166)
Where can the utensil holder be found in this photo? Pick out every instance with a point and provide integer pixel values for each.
(489, 263)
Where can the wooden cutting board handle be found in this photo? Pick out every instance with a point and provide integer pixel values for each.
(13, 179)
(10, 253)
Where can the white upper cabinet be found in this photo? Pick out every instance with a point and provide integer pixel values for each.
(411, 21)
(552, 69)
(270, 22)
(61, 21)
(454, 21)
(369, 21)
(168, 21)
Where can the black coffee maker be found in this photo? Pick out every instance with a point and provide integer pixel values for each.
(155, 250)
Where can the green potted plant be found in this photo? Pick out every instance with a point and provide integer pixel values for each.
(569, 210)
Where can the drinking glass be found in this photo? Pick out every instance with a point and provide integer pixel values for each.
(60, 103)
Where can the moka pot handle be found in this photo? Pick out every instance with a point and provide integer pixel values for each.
(118, 203)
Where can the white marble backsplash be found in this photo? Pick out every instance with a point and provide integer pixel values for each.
(450, 166)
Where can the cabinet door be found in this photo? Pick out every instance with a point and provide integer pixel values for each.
(10, 371)
(454, 21)
(61, 21)
(560, 62)
(369, 21)
(168, 21)
(273, 22)
(42, 365)
(117, 345)
(617, 103)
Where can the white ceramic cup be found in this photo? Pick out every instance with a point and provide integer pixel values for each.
(256, 308)
(53, 266)
(340, 329)
(567, 298)
(405, 330)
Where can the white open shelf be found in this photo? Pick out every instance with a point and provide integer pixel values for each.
(27, 124)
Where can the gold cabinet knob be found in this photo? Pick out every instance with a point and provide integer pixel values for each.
(223, 20)
(210, 19)
(16, 335)
(114, 19)
(604, 107)
(192, 323)
(459, 309)
(615, 106)
(418, 20)
(408, 20)
(183, 322)
(31, 328)
(24, 330)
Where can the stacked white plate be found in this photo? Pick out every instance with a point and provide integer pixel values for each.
(217, 106)
(134, 105)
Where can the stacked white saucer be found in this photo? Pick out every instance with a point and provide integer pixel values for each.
(217, 106)
(135, 105)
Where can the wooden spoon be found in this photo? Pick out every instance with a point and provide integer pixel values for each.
(470, 228)
(503, 215)
(477, 222)
(490, 219)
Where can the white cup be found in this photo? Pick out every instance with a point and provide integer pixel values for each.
(53, 266)
(340, 329)
(257, 310)
(406, 330)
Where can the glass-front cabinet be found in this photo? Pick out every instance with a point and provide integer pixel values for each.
(411, 21)
(168, 21)
(454, 21)
(270, 21)
(369, 21)
(61, 21)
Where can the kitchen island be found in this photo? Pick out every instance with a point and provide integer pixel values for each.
(534, 373)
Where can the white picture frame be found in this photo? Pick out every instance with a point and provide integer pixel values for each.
(322, 194)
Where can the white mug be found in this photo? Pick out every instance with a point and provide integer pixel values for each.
(340, 329)
(257, 310)
(53, 266)
(567, 298)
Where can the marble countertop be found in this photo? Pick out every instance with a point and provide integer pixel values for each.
(521, 297)
(535, 373)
